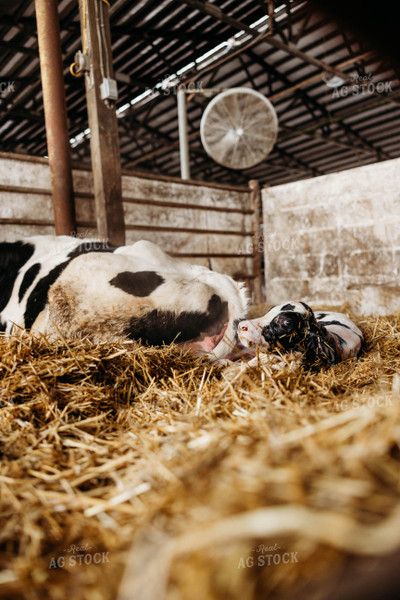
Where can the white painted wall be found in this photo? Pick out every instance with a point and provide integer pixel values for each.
(335, 239)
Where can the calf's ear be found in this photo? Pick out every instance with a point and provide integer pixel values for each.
(309, 313)
(318, 352)
(311, 321)
(308, 308)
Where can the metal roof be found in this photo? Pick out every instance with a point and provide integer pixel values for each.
(285, 49)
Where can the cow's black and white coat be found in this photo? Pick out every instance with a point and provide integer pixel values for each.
(84, 288)
(322, 337)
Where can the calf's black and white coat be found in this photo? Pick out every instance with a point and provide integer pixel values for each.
(85, 288)
(321, 337)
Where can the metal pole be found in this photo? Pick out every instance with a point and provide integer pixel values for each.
(183, 134)
(55, 113)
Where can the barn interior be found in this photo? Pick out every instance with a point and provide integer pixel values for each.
(157, 45)
(134, 472)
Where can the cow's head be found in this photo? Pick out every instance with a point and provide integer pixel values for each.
(225, 310)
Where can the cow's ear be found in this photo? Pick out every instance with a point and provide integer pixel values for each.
(318, 352)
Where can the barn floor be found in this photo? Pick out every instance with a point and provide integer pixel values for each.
(233, 484)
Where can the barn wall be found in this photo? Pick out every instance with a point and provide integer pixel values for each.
(336, 238)
(211, 225)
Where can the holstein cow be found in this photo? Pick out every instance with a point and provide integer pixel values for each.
(84, 288)
(322, 338)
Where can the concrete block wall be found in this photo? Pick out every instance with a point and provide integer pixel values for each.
(335, 239)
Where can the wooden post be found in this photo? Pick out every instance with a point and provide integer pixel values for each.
(103, 122)
(55, 113)
(255, 203)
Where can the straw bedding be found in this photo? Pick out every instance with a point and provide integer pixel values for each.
(195, 476)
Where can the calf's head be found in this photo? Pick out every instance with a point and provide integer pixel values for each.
(285, 327)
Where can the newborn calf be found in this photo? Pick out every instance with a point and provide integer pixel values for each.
(323, 338)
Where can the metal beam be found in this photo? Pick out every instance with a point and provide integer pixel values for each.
(215, 11)
(291, 48)
(312, 103)
(144, 33)
(18, 113)
(328, 140)
(297, 162)
(334, 118)
(345, 114)
(307, 58)
(13, 47)
(137, 33)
